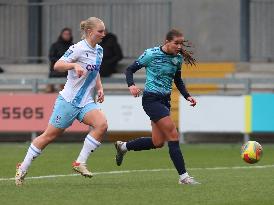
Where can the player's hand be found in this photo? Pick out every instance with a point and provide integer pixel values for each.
(101, 96)
(79, 70)
(192, 101)
(134, 90)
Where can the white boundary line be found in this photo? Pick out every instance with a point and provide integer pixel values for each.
(144, 170)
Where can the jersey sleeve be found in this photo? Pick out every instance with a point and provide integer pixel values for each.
(180, 64)
(145, 58)
(71, 55)
(180, 84)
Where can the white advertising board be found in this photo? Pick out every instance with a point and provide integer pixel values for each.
(213, 114)
(125, 113)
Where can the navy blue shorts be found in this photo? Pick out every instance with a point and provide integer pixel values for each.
(156, 106)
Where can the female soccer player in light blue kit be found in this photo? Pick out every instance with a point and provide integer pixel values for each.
(163, 65)
(75, 101)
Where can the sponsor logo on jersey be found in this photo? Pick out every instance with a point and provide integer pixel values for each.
(93, 67)
(68, 53)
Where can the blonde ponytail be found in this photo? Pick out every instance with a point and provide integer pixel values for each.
(82, 29)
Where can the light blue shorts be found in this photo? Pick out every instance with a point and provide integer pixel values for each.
(64, 113)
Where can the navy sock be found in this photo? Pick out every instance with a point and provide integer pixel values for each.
(143, 143)
(176, 156)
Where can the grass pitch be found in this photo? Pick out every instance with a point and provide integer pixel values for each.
(146, 177)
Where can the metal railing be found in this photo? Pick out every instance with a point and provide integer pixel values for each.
(245, 86)
(226, 86)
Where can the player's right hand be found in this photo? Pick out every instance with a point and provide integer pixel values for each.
(134, 90)
(79, 70)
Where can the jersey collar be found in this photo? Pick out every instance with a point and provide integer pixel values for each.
(90, 45)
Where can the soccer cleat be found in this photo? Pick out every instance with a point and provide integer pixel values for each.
(188, 180)
(82, 169)
(120, 153)
(19, 175)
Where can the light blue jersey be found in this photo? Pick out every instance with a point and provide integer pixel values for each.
(160, 69)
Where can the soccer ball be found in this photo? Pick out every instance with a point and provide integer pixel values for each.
(251, 152)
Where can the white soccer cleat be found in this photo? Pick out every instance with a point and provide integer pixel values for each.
(188, 180)
(82, 169)
(120, 153)
(19, 175)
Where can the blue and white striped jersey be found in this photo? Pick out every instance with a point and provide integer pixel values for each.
(80, 91)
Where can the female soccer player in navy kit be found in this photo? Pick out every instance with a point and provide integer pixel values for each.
(163, 65)
(75, 101)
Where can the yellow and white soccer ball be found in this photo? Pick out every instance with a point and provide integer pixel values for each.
(251, 152)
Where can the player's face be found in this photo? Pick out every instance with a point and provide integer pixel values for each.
(98, 33)
(175, 45)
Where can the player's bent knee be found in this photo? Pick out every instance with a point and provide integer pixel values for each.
(173, 136)
(159, 145)
(102, 127)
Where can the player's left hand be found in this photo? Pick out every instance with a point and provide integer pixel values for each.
(101, 96)
(192, 101)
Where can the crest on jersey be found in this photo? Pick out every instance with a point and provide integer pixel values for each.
(175, 61)
(58, 119)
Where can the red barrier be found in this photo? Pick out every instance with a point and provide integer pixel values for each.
(29, 112)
